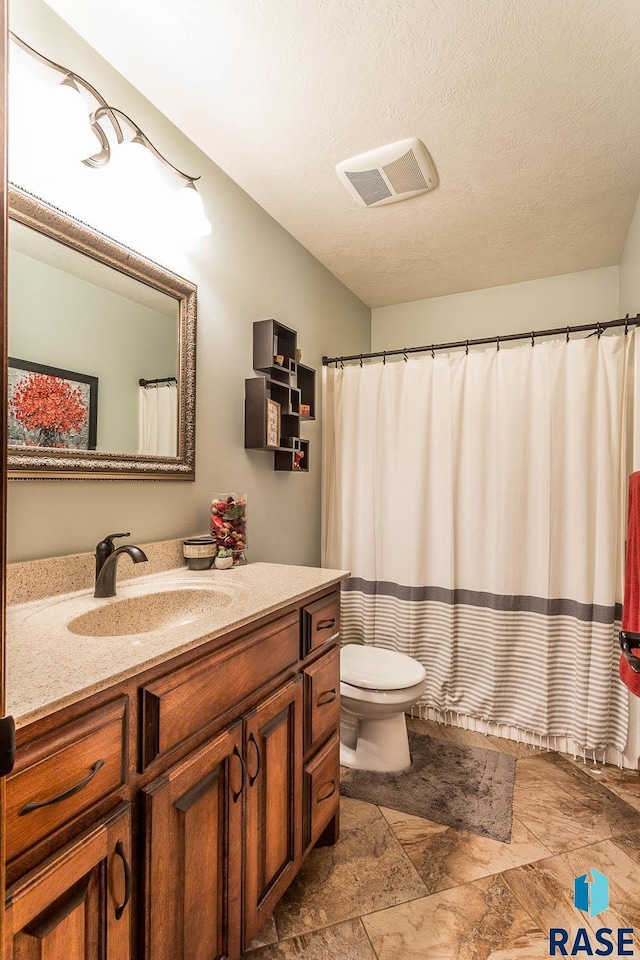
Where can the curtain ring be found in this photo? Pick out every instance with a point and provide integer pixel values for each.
(498, 344)
(433, 355)
(626, 325)
(533, 338)
(405, 354)
(568, 332)
(384, 357)
(599, 330)
(341, 363)
(466, 349)
(361, 361)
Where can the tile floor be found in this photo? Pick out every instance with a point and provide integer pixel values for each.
(397, 887)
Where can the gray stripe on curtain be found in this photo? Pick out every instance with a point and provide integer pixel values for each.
(589, 612)
(519, 667)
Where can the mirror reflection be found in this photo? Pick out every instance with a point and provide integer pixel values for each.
(94, 353)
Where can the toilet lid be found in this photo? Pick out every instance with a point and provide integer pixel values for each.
(374, 668)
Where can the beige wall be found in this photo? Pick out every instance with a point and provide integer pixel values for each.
(571, 298)
(248, 269)
(630, 269)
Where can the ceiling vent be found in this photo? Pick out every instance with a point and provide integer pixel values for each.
(389, 174)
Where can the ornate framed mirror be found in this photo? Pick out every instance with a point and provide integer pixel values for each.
(102, 354)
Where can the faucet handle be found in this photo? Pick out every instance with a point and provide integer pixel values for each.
(104, 550)
(109, 540)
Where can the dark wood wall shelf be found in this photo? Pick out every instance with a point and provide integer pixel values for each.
(306, 382)
(289, 383)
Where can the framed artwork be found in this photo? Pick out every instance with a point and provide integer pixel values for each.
(273, 424)
(51, 407)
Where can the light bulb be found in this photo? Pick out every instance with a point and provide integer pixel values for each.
(70, 118)
(140, 175)
(140, 186)
(138, 161)
(191, 211)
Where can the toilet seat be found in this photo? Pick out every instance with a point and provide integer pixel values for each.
(397, 695)
(374, 668)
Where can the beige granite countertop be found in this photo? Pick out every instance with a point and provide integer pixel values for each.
(49, 667)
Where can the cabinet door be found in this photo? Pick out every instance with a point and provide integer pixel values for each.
(193, 854)
(273, 824)
(322, 698)
(75, 906)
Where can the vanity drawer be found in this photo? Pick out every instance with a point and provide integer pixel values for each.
(322, 697)
(64, 774)
(183, 702)
(321, 789)
(320, 622)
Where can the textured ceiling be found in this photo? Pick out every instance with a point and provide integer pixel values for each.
(529, 108)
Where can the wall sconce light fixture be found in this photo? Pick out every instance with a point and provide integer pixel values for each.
(86, 140)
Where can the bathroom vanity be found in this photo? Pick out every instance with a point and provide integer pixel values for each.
(164, 799)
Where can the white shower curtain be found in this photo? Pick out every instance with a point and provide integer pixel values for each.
(158, 420)
(478, 503)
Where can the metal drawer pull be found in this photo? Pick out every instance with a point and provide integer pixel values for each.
(37, 804)
(252, 779)
(127, 879)
(326, 624)
(327, 696)
(327, 796)
(237, 793)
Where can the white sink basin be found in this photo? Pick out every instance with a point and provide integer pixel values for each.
(149, 612)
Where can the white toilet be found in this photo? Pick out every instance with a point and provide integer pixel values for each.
(377, 686)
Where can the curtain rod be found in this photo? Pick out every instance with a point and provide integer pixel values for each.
(146, 383)
(598, 328)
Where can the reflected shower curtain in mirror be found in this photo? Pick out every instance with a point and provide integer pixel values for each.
(478, 501)
(158, 419)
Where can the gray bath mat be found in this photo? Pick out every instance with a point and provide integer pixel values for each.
(465, 787)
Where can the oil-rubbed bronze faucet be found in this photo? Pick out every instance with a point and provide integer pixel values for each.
(107, 557)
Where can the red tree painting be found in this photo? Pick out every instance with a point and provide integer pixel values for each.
(50, 406)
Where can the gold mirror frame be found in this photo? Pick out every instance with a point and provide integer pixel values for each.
(41, 463)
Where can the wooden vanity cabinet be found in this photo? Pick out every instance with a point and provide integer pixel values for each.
(69, 771)
(76, 905)
(227, 757)
(273, 802)
(195, 832)
(322, 697)
(321, 787)
(192, 867)
(320, 622)
(321, 772)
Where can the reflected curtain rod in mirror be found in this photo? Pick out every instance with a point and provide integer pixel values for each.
(80, 301)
